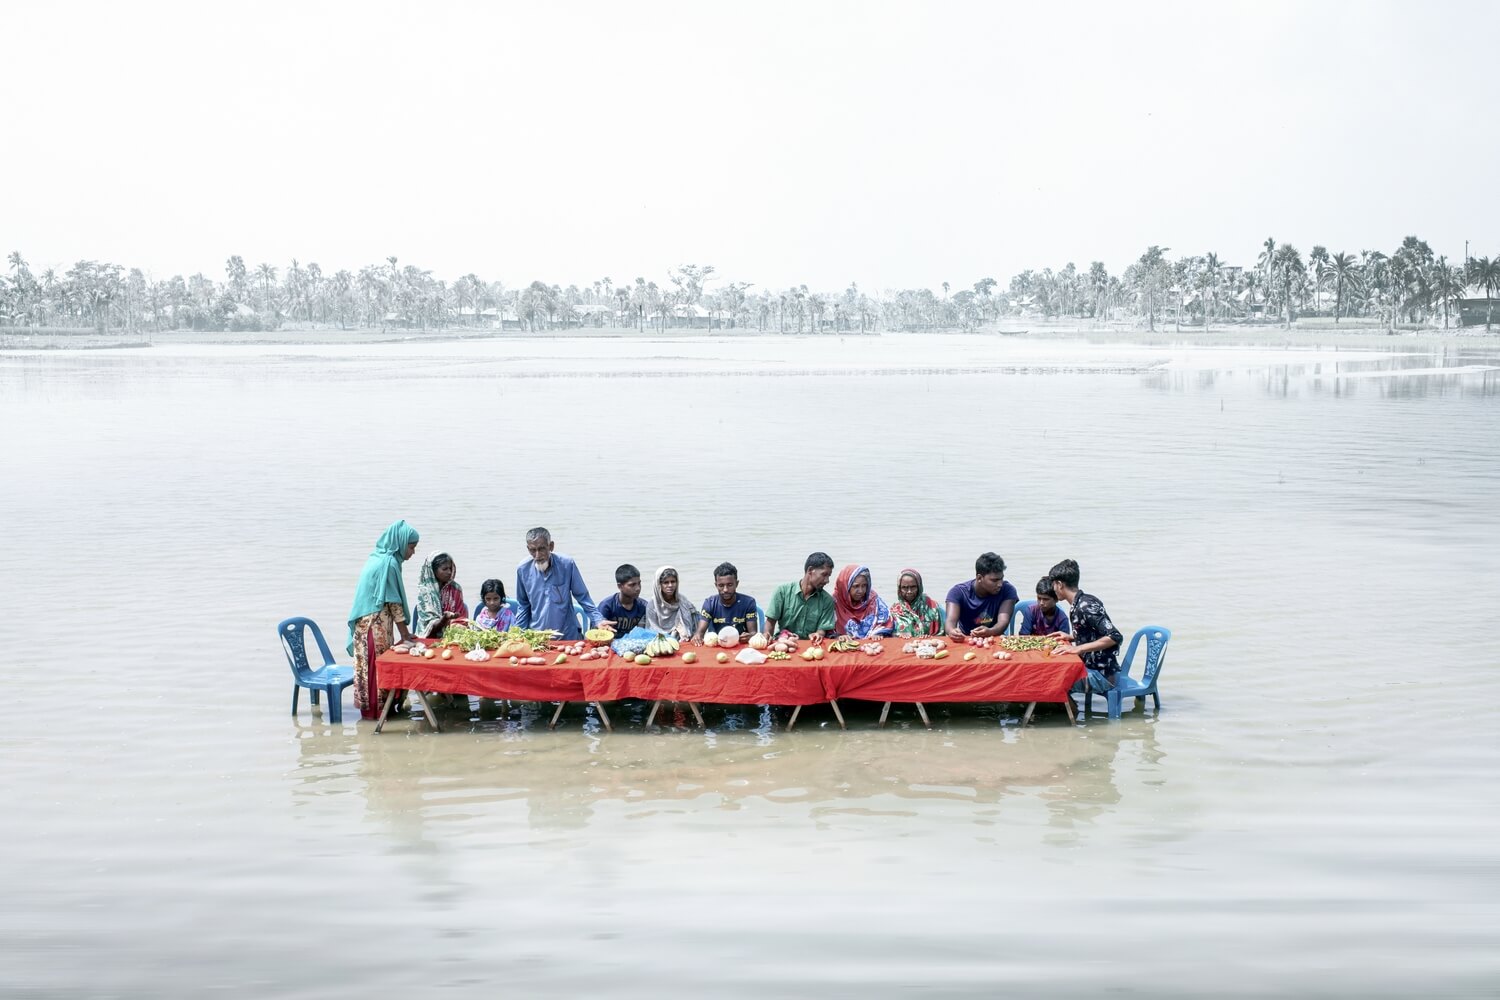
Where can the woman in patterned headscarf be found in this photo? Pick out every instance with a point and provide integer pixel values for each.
(858, 610)
(668, 611)
(379, 605)
(915, 613)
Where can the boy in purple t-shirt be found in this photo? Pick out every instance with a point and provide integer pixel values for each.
(1044, 617)
(981, 606)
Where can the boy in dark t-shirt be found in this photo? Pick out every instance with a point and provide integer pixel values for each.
(625, 609)
(728, 606)
(1094, 637)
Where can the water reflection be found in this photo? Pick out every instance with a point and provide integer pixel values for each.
(426, 788)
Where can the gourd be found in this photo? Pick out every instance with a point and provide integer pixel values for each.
(757, 641)
(729, 636)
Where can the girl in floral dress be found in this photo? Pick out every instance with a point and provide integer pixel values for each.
(440, 600)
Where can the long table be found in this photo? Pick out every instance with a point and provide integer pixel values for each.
(890, 676)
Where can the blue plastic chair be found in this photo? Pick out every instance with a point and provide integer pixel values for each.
(582, 618)
(330, 677)
(1014, 628)
(1157, 637)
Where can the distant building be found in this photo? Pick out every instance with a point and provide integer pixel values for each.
(1475, 307)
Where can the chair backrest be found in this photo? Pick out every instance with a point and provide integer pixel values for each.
(294, 644)
(1017, 616)
(1157, 637)
(583, 619)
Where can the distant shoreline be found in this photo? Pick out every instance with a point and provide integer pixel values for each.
(1309, 334)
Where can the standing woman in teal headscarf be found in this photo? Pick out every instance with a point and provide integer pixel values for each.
(379, 604)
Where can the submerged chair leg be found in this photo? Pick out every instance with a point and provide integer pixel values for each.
(335, 704)
(313, 694)
(296, 690)
(1113, 700)
(1155, 700)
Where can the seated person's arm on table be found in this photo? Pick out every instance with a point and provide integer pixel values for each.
(773, 615)
(1002, 619)
(954, 632)
(824, 629)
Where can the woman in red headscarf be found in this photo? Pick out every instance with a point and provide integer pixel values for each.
(858, 610)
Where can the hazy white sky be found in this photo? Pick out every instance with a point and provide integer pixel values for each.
(891, 144)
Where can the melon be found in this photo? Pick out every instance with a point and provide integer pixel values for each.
(729, 636)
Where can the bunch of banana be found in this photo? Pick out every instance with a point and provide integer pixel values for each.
(662, 645)
(844, 644)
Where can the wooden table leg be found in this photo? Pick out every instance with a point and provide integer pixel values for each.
(884, 711)
(1026, 719)
(390, 696)
(922, 711)
(697, 715)
(652, 714)
(836, 713)
(796, 711)
(603, 716)
(556, 715)
(1068, 704)
(427, 711)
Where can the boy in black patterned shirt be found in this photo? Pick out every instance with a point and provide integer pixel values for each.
(1094, 637)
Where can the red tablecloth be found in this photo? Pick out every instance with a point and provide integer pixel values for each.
(890, 676)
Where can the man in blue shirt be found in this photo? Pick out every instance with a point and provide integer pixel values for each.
(547, 584)
(981, 606)
(728, 606)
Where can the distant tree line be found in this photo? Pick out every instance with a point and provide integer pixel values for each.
(1409, 285)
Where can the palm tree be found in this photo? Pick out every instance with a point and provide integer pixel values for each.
(1266, 260)
(1289, 265)
(1485, 272)
(1318, 258)
(1344, 271)
(1448, 285)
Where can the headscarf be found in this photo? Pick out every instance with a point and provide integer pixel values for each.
(870, 617)
(380, 582)
(429, 606)
(922, 616)
(664, 617)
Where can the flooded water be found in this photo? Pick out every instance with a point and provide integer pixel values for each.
(1310, 813)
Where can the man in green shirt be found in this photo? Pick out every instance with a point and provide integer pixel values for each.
(803, 607)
